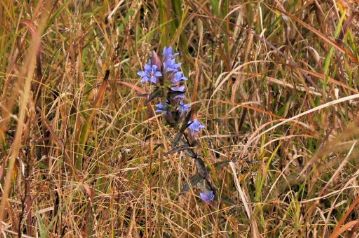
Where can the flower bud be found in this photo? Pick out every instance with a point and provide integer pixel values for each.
(155, 59)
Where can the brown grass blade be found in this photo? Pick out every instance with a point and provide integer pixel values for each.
(340, 228)
(27, 72)
(318, 33)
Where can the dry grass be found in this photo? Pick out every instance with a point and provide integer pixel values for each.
(276, 85)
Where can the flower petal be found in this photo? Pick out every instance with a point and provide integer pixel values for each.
(153, 79)
(148, 67)
(179, 88)
(195, 126)
(141, 73)
(207, 196)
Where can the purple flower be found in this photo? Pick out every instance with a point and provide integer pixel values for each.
(168, 53)
(178, 77)
(170, 65)
(181, 88)
(195, 126)
(150, 74)
(179, 97)
(207, 196)
(161, 107)
(182, 108)
(169, 61)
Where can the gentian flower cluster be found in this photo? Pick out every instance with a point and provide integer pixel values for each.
(165, 75)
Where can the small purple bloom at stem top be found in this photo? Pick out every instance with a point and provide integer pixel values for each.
(168, 53)
(195, 126)
(207, 196)
(150, 74)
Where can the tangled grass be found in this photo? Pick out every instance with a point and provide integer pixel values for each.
(275, 83)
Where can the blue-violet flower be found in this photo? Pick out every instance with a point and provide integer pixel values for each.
(170, 65)
(178, 77)
(168, 53)
(180, 88)
(195, 126)
(179, 97)
(150, 74)
(161, 107)
(182, 107)
(207, 196)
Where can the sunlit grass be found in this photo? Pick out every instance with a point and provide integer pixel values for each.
(275, 84)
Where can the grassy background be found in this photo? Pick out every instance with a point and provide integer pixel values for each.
(276, 84)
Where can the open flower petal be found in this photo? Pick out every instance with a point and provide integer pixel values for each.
(150, 74)
(195, 126)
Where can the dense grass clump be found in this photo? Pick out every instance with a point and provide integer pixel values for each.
(83, 153)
